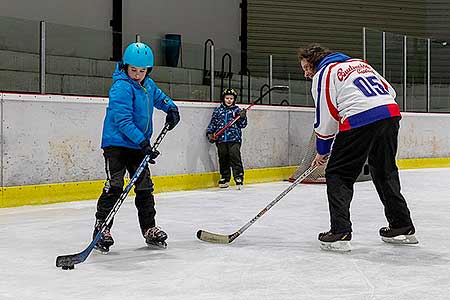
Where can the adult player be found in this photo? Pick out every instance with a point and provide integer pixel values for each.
(356, 118)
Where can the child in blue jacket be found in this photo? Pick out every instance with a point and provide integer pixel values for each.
(229, 142)
(127, 129)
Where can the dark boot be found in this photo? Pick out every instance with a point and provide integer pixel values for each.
(106, 239)
(224, 183)
(339, 242)
(239, 182)
(155, 237)
(402, 235)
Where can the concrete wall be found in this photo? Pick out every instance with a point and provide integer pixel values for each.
(85, 13)
(195, 20)
(51, 139)
(90, 35)
(78, 28)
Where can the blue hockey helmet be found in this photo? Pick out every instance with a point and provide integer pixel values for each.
(139, 55)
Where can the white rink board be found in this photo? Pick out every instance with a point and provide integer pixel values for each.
(54, 138)
(60, 137)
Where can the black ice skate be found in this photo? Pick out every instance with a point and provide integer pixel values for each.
(105, 241)
(402, 235)
(239, 182)
(224, 183)
(339, 242)
(155, 238)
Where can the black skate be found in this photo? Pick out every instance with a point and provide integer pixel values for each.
(239, 182)
(402, 235)
(155, 238)
(339, 242)
(105, 241)
(224, 183)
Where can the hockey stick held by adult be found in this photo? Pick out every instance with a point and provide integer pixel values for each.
(226, 239)
(229, 124)
(319, 160)
(68, 262)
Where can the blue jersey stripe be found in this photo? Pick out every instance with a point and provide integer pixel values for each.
(319, 91)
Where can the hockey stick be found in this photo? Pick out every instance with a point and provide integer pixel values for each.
(226, 239)
(69, 261)
(229, 124)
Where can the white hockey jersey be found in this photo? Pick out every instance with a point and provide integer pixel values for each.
(348, 93)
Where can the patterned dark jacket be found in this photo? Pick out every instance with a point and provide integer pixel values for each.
(220, 117)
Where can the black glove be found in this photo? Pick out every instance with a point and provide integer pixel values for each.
(173, 117)
(243, 113)
(211, 138)
(146, 149)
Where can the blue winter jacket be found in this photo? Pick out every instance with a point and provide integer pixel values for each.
(129, 115)
(221, 116)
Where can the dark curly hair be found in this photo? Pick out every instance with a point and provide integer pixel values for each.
(313, 54)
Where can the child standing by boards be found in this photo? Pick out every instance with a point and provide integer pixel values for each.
(229, 142)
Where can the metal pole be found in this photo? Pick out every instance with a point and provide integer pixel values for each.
(383, 46)
(405, 53)
(364, 43)
(270, 76)
(212, 73)
(289, 92)
(244, 35)
(138, 38)
(428, 75)
(42, 58)
(270, 70)
(116, 26)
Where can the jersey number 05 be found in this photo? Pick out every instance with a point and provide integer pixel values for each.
(370, 86)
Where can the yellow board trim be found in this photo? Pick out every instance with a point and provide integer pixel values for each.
(88, 190)
(423, 163)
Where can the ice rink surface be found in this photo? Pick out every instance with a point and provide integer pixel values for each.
(277, 258)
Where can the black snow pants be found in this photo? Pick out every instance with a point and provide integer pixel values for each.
(118, 160)
(378, 142)
(230, 157)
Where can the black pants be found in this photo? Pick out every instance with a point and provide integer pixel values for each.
(378, 142)
(230, 156)
(117, 161)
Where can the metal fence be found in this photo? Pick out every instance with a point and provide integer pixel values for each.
(42, 57)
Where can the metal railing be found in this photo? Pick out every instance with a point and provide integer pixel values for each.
(419, 68)
(62, 59)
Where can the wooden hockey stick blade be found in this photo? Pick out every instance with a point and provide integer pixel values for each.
(226, 239)
(213, 237)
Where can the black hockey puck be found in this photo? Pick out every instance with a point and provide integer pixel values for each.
(199, 233)
(68, 267)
